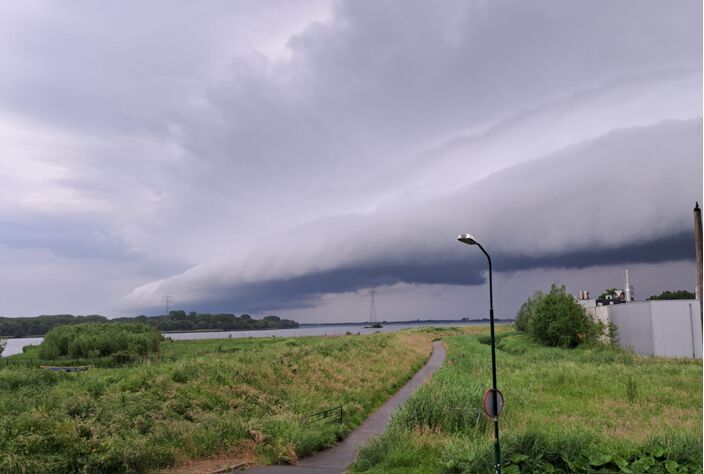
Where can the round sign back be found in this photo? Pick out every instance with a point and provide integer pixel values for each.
(489, 403)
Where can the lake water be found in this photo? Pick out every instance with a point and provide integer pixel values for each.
(14, 346)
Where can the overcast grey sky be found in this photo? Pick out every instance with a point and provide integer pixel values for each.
(287, 156)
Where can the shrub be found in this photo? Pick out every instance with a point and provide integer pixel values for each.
(612, 333)
(556, 319)
(526, 310)
(99, 340)
(123, 357)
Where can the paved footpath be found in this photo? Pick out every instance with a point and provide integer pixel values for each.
(336, 459)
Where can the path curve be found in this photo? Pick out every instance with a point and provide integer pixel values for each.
(336, 459)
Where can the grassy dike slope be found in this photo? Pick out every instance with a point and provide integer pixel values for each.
(237, 398)
(592, 409)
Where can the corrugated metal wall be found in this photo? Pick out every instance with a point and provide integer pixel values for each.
(660, 328)
(635, 326)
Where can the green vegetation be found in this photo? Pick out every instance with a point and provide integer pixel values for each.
(239, 398)
(594, 408)
(673, 295)
(99, 340)
(174, 321)
(525, 311)
(556, 319)
(182, 321)
(609, 293)
(40, 325)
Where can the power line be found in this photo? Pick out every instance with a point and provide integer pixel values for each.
(167, 302)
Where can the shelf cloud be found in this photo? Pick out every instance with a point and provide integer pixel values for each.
(242, 156)
(591, 204)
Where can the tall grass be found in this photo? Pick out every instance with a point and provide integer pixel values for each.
(242, 398)
(443, 406)
(592, 409)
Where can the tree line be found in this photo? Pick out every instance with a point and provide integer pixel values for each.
(174, 321)
(673, 295)
(182, 321)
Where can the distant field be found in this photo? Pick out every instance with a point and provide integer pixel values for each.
(239, 398)
(578, 410)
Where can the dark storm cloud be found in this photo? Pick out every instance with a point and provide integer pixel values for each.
(301, 292)
(679, 246)
(302, 148)
(591, 204)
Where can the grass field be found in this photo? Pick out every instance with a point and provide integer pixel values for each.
(240, 398)
(592, 409)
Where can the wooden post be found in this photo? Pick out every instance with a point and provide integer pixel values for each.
(698, 246)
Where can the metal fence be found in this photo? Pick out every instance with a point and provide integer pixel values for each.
(669, 328)
(333, 415)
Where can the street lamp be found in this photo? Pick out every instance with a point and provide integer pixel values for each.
(470, 240)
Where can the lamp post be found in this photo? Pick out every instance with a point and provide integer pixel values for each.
(470, 240)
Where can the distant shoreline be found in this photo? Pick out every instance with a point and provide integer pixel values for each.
(313, 325)
(411, 321)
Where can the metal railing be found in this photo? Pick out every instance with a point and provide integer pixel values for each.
(331, 415)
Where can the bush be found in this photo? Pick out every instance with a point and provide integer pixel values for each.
(99, 340)
(524, 313)
(556, 319)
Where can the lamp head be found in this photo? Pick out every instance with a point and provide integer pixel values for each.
(467, 239)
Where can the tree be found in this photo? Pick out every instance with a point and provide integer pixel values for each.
(178, 315)
(611, 292)
(524, 313)
(673, 295)
(557, 319)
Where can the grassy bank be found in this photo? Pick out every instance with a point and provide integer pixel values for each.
(567, 410)
(231, 397)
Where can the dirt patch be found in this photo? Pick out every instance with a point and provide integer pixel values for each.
(243, 454)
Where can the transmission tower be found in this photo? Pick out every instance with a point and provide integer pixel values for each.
(372, 309)
(167, 302)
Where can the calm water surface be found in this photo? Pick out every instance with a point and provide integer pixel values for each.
(14, 346)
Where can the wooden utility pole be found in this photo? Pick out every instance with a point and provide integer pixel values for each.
(698, 246)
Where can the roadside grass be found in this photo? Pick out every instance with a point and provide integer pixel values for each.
(239, 398)
(590, 409)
